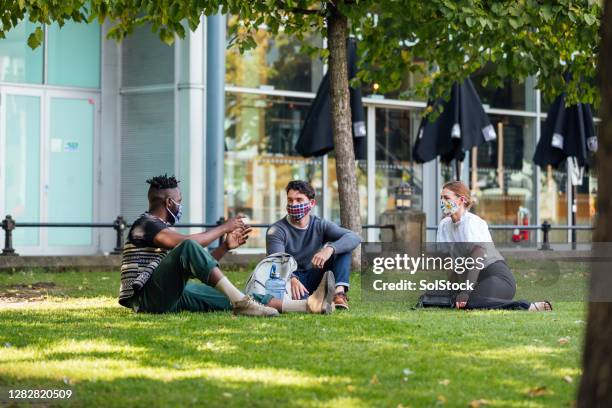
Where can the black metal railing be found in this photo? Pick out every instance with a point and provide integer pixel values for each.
(119, 225)
(545, 227)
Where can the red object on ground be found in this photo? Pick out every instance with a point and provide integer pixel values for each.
(525, 233)
(516, 235)
(522, 218)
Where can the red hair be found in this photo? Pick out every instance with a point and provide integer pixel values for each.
(461, 190)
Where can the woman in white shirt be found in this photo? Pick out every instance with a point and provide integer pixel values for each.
(495, 285)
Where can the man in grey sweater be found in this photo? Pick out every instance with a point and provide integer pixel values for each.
(318, 245)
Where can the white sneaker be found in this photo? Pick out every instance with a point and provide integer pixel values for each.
(247, 306)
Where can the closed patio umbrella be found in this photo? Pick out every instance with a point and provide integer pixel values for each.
(568, 134)
(463, 124)
(316, 138)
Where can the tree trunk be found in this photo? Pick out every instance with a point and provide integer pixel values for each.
(596, 384)
(342, 125)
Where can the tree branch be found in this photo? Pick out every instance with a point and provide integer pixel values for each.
(305, 11)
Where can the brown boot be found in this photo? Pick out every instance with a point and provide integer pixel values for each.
(247, 306)
(341, 301)
(321, 301)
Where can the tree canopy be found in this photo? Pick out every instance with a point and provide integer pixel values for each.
(442, 40)
(447, 40)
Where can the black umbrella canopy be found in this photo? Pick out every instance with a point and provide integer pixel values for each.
(463, 124)
(316, 138)
(567, 132)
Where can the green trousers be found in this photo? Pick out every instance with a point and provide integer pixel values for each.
(169, 289)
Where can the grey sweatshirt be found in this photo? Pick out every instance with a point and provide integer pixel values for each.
(302, 244)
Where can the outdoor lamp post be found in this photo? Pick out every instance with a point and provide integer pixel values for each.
(403, 196)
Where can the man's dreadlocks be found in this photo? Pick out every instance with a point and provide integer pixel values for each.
(163, 182)
(159, 190)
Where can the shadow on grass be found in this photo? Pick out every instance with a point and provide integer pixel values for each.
(372, 356)
(378, 354)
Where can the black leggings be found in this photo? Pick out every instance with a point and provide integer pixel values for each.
(495, 289)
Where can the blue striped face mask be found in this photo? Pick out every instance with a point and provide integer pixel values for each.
(179, 212)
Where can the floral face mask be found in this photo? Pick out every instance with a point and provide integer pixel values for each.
(448, 207)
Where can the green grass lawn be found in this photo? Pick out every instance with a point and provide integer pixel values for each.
(72, 334)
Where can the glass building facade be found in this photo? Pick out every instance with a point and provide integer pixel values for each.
(84, 121)
(49, 132)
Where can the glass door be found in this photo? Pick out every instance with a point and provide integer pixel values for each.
(69, 182)
(20, 169)
(48, 146)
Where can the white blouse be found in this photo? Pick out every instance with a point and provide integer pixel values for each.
(469, 229)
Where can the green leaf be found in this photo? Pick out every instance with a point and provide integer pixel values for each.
(590, 19)
(546, 12)
(180, 31)
(166, 36)
(35, 39)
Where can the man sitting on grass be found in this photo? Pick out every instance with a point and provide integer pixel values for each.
(318, 245)
(158, 261)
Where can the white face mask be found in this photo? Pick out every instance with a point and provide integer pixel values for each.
(179, 212)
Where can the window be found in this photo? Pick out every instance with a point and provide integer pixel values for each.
(586, 195)
(505, 190)
(74, 55)
(276, 62)
(586, 199)
(512, 95)
(333, 199)
(554, 200)
(260, 159)
(396, 131)
(18, 62)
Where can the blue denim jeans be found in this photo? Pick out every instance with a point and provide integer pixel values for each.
(339, 264)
